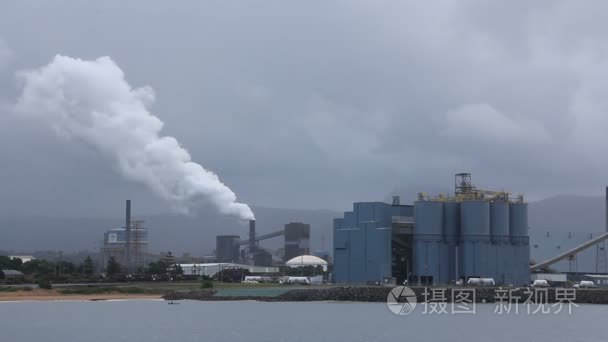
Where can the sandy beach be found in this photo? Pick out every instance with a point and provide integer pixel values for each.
(49, 295)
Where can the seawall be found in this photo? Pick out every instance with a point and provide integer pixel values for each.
(381, 293)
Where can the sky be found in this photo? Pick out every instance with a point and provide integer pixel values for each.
(318, 104)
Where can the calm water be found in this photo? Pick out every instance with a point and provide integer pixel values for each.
(254, 321)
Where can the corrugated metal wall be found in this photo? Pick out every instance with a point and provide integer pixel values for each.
(474, 248)
(451, 229)
(500, 248)
(518, 231)
(452, 240)
(362, 243)
(431, 258)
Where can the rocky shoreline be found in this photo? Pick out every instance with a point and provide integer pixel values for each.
(423, 294)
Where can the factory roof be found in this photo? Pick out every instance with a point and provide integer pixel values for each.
(305, 260)
(12, 273)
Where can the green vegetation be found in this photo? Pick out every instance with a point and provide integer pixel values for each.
(231, 275)
(45, 284)
(8, 289)
(166, 266)
(7, 263)
(113, 267)
(36, 270)
(88, 267)
(206, 284)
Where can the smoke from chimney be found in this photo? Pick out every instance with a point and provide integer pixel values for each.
(91, 102)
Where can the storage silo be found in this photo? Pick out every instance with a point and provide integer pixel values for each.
(518, 220)
(475, 218)
(518, 233)
(297, 240)
(499, 219)
(451, 235)
(227, 248)
(500, 245)
(431, 263)
(475, 238)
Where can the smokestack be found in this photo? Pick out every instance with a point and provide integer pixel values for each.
(607, 209)
(251, 235)
(128, 235)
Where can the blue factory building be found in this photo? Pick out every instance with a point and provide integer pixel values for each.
(363, 241)
(436, 241)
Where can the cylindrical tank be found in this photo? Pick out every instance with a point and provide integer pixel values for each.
(518, 219)
(474, 250)
(428, 216)
(451, 231)
(297, 239)
(499, 218)
(499, 228)
(227, 248)
(518, 231)
(431, 263)
(451, 221)
(475, 219)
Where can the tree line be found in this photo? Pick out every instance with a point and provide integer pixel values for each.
(36, 270)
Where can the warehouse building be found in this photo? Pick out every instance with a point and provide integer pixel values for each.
(210, 269)
(438, 240)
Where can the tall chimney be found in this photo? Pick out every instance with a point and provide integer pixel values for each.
(251, 235)
(128, 235)
(607, 209)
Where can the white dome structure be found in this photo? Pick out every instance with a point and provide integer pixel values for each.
(306, 260)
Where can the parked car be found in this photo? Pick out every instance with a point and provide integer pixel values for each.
(584, 284)
(540, 283)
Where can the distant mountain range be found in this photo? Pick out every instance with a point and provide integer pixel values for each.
(196, 235)
(568, 213)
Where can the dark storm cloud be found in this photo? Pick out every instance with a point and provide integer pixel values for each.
(318, 104)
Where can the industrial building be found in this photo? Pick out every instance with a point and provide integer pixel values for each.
(373, 242)
(296, 237)
(210, 269)
(115, 245)
(438, 240)
(306, 260)
(297, 240)
(227, 248)
(128, 245)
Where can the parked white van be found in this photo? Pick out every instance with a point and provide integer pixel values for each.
(540, 283)
(481, 282)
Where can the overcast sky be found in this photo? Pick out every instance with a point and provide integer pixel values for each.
(316, 104)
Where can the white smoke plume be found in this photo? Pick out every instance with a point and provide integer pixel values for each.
(91, 101)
